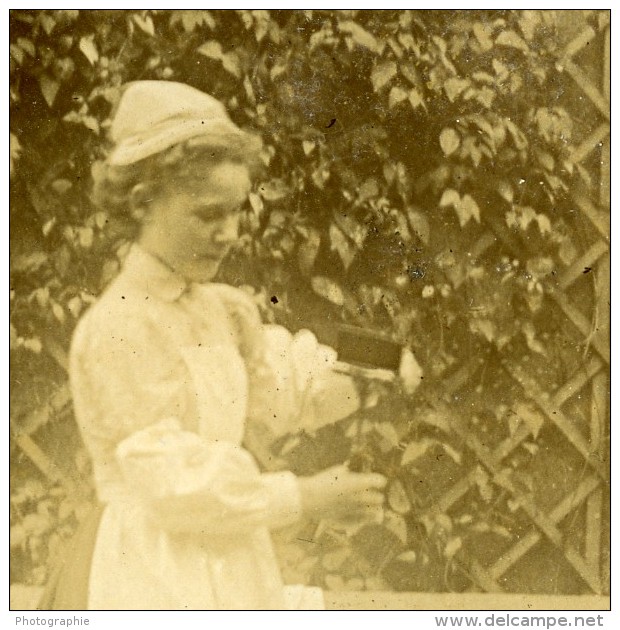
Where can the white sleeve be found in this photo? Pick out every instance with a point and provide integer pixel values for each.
(212, 487)
(299, 388)
(134, 397)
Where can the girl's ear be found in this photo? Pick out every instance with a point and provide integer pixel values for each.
(139, 198)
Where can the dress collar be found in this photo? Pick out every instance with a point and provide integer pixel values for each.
(151, 275)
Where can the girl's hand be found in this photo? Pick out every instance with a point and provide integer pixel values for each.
(338, 493)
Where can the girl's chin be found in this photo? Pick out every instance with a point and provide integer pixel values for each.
(202, 270)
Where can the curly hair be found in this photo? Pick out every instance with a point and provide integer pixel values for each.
(182, 163)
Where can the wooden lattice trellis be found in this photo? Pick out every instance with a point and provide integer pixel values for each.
(587, 557)
(593, 327)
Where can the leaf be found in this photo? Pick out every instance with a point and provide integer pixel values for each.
(532, 418)
(89, 49)
(230, 63)
(414, 451)
(449, 198)
(452, 546)
(74, 306)
(409, 556)
(61, 186)
(359, 34)
(368, 190)
(211, 49)
(529, 21)
(501, 70)
(544, 224)
(396, 524)
(256, 203)
(454, 86)
(382, 74)
(484, 328)
(15, 150)
(341, 244)
(410, 372)
(415, 98)
(511, 39)
(17, 53)
(397, 497)
(545, 160)
(505, 191)
(86, 236)
(530, 337)
(389, 436)
(47, 22)
(420, 225)
(27, 46)
(49, 88)
(397, 95)
(410, 72)
(328, 289)
(437, 418)
(308, 250)
(449, 140)
(192, 18)
(58, 311)
(483, 34)
(308, 146)
(145, 24)
(29, 263)
(470, 209)
(567, 251)
(274, 189)
(356, 231)
(518, 137)
(33, 344)
(485, 96)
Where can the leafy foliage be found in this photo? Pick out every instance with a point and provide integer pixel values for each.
(419, 164)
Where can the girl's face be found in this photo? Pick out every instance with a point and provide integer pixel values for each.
(191, 226)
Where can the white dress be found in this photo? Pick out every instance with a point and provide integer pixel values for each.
(165, 377)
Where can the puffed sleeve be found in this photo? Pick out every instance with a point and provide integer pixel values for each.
(135, 401)
(295, 385)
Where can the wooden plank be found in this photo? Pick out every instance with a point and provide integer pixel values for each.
(589, 89)
(40, 416)
(38, 457)
(579, 153)
(547, 526)
(483, 578)
(567, 505)
(606, 79)
(594, 512)
(583, 39)
(388, 600)
(501, 477)
(583, 325)
(555, 414)
(586, 260)
(599, 220)
(578, 381)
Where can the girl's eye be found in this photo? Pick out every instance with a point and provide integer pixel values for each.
(209, 214)
(215, 213)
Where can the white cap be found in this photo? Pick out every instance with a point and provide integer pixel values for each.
(155, 115)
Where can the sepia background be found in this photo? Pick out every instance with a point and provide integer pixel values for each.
(439, 176)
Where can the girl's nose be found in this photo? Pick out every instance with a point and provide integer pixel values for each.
(228, 229)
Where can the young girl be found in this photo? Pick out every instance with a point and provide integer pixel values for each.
(169, 371)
